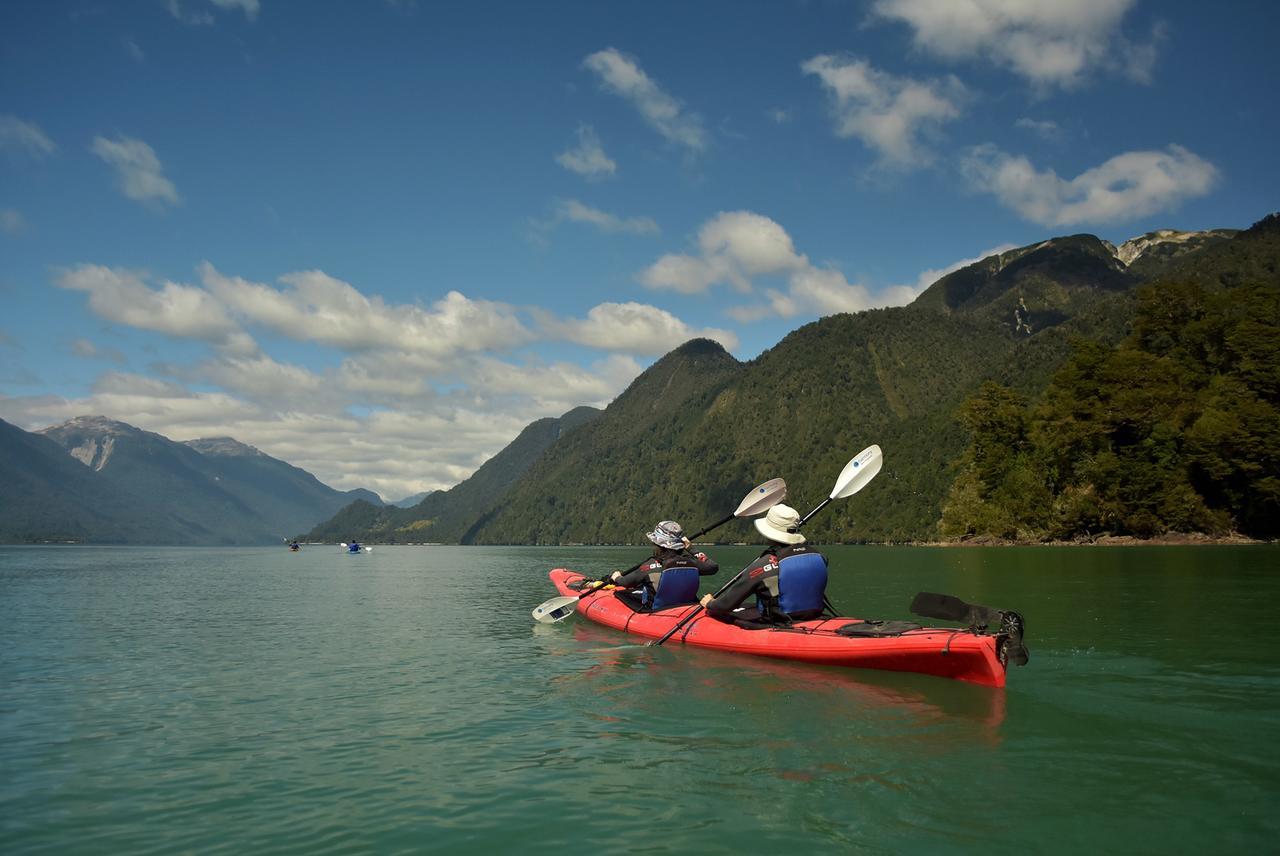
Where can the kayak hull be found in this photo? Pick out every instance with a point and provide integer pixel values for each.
(945, 652)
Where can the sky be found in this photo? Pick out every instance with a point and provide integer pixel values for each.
(377, 239)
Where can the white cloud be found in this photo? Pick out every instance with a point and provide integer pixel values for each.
(249, 7)
(188, 17)
(587, 158)
(137, 168)
(887, 113)
(1045, 129)
(735, 246)
(622, 76)
(1050, 44)
(22, 138)
(124, 297)
(778, 115)
(11, 221)
(134, 50)
(631, 327)
(577, 212)
(1126, 187)
(317, 307)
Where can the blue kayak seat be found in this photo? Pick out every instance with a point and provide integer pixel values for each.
(802, 582)
(676, 587)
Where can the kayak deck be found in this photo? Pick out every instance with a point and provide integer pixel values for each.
(942, 651)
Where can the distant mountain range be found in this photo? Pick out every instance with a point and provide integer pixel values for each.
(98, 480)
(697, 429)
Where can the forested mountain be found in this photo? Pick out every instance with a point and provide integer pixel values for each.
(1178, 429)
(98, 480)
(448, 515)
(698, 429)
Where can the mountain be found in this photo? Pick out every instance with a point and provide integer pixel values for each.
(447, 515)
(411, 501)
(289, 498)
(100, 480)
(47, 495)
(697, 429)
(892, 376)
(1177, 430)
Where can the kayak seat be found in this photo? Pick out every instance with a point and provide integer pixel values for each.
(676, 587)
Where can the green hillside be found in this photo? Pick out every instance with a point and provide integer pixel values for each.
(1175, 430)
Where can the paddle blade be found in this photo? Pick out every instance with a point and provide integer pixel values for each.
(949, 608)
(554, 610)
(762, 498)
(858, 472)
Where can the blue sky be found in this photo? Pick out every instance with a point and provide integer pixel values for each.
(377, 239)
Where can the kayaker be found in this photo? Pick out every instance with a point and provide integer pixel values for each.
(670, 577)
(789, 580)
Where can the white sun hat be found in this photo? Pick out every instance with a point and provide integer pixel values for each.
(778, 523)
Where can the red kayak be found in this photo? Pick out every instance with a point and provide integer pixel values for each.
(963, 654)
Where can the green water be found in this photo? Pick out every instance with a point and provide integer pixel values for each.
(255, 700)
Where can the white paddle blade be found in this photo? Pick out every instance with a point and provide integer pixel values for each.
(762, 498)
(556, 609)
(858, 472)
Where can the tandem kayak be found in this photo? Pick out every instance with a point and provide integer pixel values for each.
(973, 654)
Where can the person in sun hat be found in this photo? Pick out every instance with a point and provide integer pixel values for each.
(788, 579)
(670, 576)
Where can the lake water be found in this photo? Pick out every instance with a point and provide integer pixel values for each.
(256, 700)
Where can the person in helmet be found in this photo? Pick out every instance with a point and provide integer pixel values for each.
(670, 577)
(788, 579)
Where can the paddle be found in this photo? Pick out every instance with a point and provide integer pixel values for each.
(853, 478)
(761, 498)
(950, 608)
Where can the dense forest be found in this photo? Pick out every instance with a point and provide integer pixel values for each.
(1175, 430)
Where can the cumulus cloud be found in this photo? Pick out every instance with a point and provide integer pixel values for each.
(1050, 44)
(317, 307)
(1126, 187)
(138, 170)
(419, 397)
(632, 327)
(587, 158)
(624, 77)
(889, 114)
(734, 246)
(124, 297)
(19, 138)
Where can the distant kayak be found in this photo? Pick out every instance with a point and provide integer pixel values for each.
(356, 549)
(947, 652)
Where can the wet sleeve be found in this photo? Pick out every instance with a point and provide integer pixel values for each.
(636, 577)
(706, 565)
(732, 598)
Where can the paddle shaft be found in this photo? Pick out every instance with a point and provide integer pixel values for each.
(700, 607)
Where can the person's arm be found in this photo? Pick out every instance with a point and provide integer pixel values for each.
(707, 566)
(722, 607)
(632, 579)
